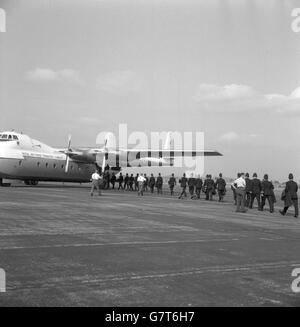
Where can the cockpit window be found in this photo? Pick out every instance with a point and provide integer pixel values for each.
(8, 137)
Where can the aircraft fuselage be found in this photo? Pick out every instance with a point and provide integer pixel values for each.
(30, 160)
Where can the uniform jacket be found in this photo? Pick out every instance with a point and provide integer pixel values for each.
(290, 193)
(248, 184)
(151, 181)
(191, 181)
(220, 184)
(172, 181)
(198, 183)
(267, 188)
(256, 186)
(183, 181)
(159, 181)
(209, 184)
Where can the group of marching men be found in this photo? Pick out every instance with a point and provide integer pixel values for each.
(142, 183)
(245, 190)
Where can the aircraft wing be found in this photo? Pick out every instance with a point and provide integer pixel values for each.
(171, 153)
(134, 157)
(149, 157)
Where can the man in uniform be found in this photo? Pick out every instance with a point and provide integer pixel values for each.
(209, 186)
(240, 186)
(151, 183)
(183, 182)
(146, 184)
(136, 183)
(191, 184)
(126, 182)
(290, 196)
(267, 193)
(159, 184)
(198, 186)
(120, 180)
(113, 180)
(130, 182)
(172, 183)
(95, 182)
(106, 177)
(221, 187)
(248, 190)
(255, 191)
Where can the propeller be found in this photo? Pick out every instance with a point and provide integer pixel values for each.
(168, 141)
(105, 152)
(69, 150)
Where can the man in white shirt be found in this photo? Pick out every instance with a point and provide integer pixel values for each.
(240, 188)
(95, 182)
(141, 180)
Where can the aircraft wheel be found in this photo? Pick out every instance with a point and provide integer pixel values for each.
(34, 182)
(27, 182)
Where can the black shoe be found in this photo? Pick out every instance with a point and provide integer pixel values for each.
(296, 216)
(282, 212)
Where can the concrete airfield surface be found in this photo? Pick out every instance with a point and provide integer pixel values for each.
(61, 247)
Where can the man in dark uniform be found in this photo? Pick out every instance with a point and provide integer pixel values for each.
(255, 191)
(172, 183)
(107, 179)
(191, 184)
(248, 190)
(204, 187)
(126, 182)
(136, 183)
(209, 185)
(130, 182)
(221, 187)
(113, 180)
(267, 193)
(120, 180)
(159, 184)
(152, 183)
(183, 183)
(198, 186)
(146, 184)
(290, 196)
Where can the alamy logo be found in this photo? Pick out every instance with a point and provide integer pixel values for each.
(2, 281)
(2, 20)
(296, 22)
(296, 282)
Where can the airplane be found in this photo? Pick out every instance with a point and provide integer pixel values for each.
(29, 160)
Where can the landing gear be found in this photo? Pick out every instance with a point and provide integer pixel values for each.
(31, 182)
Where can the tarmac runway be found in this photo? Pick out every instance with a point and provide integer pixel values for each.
(61, 247)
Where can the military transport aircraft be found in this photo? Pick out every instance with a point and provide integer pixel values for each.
(24, 158)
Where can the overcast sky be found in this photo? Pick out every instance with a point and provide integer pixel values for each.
(228, 68)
